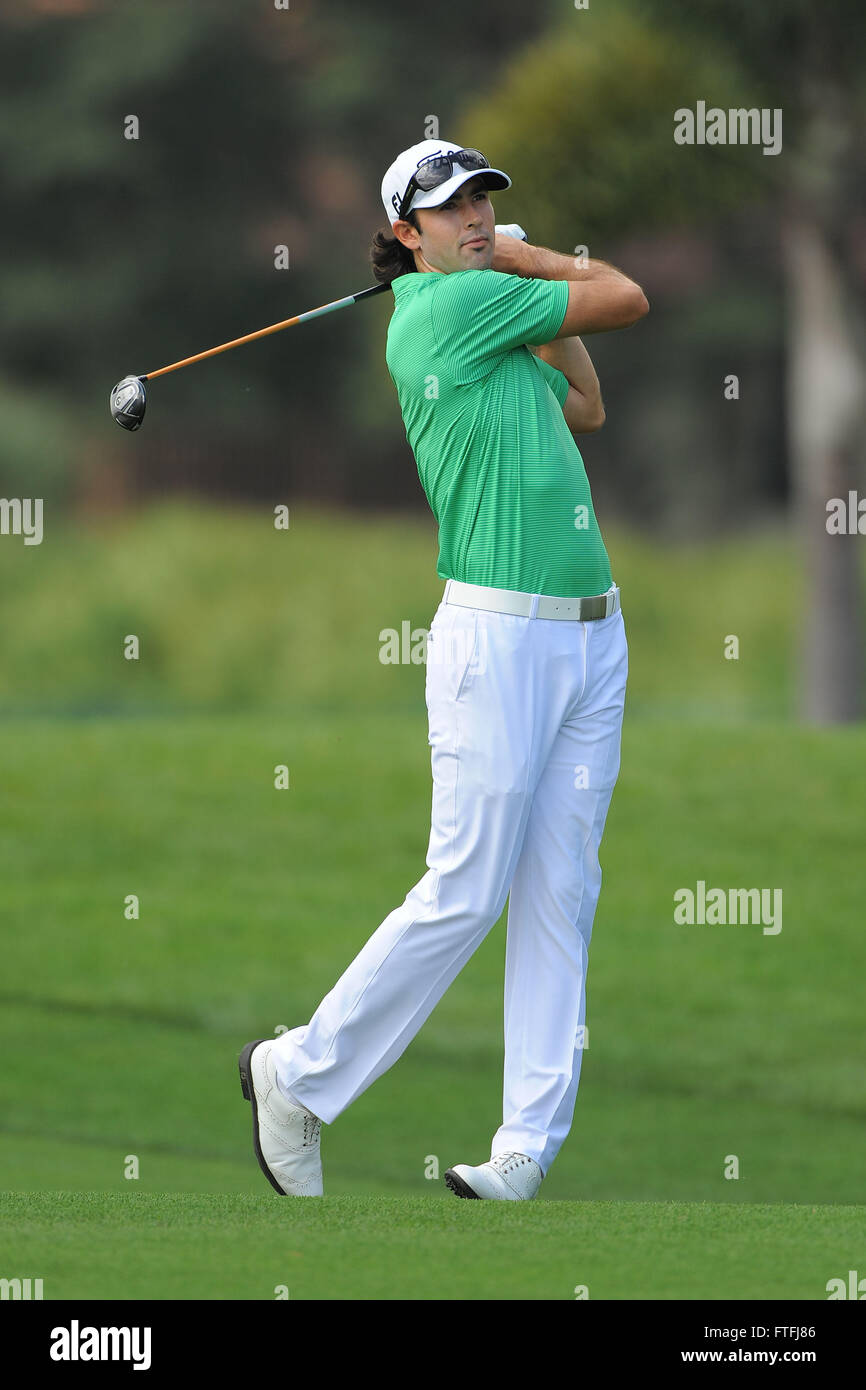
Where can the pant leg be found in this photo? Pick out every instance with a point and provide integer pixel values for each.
(479, 692)
(554, 893)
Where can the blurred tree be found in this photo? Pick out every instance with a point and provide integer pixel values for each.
(258, 128)
(586, 116)
(812, 59)
(120, 253)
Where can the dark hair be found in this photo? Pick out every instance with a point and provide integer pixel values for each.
(389, 257)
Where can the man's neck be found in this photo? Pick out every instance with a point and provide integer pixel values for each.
(422, 265)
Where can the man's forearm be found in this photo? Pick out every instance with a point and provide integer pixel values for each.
(583, 408)
(600, 297)
(516, 257)
(571, 358)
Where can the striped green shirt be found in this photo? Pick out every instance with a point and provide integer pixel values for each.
(483, 417)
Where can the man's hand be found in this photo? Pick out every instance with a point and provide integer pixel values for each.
(510, 254)
(512, 229)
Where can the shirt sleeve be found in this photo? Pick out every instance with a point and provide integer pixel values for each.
(480, 315)
(556, 380)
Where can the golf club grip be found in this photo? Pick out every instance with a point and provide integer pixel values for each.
(274, 328)
(374, 289)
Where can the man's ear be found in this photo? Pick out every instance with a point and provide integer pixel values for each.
(406, 234)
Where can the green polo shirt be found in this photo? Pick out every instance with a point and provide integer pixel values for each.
(483, 417)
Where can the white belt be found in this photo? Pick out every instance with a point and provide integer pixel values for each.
(522, 605)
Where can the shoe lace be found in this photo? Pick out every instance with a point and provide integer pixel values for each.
(505, 1163)
(311, 1130)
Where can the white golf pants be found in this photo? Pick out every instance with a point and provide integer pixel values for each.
(525, 717)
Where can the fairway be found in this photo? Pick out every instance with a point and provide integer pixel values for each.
(121, 1246)
(718, 1144)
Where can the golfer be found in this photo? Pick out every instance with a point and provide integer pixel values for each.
(525, 679)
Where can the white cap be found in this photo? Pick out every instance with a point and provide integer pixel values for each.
(396, 181)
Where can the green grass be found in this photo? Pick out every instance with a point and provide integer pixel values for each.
(704, 1041)
(121, 1036)
(232, 614)
(99, 1245)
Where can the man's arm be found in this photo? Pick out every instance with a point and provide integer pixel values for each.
(600, 297)
(583, 408)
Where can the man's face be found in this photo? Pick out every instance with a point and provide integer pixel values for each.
(457, 235)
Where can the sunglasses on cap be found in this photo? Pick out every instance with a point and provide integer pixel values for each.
(437, 169)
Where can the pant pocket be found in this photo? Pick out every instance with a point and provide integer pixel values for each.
(452, 649)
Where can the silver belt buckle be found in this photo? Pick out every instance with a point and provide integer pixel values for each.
(582, 610)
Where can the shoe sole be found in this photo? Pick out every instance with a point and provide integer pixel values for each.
(249, 1093)
(459, 1186)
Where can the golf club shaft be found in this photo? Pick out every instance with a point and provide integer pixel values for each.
(274, 328)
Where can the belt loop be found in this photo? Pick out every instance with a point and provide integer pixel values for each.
(533, 607)
(447, 590)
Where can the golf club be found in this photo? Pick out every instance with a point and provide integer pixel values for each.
(128, 398)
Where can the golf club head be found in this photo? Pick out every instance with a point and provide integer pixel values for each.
(127, 401)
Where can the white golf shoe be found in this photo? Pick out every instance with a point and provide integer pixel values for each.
(285, 1136)
(507, 1177)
